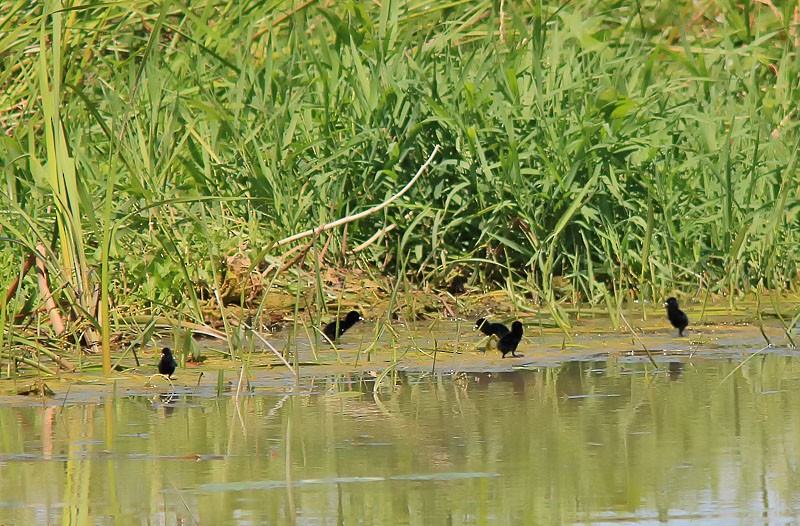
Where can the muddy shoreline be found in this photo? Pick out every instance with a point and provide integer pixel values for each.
(431, 347)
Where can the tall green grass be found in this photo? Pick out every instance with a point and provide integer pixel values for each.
(592, 152)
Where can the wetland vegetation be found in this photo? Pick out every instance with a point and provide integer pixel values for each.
(600, 442)
(249, 171)
(160, 158)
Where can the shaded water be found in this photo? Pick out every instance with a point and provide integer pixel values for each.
(601, 442)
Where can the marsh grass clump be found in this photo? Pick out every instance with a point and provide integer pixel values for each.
(586, 155)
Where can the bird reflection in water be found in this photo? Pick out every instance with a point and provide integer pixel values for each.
(675, 370)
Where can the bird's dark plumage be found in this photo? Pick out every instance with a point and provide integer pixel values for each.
(345, 323)
(167, 364)
(489, 329)
(508, 343)
(457, 286)
(676, 316)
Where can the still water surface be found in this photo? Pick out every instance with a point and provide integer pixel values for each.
(589, 442)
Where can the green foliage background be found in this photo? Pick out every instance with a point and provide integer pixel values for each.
(589, 149)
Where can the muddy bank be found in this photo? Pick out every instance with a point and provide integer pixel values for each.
(376, 349)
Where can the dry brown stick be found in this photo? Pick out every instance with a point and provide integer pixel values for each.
(299, 257)
(303, 249)
(344, 243)
(324, 250)
(278, 263)
(446, 306)
(377, 235)
(44, 289)
(365, 213)
(27, 361)
(22, 315)
(64, 364)
(12, 290)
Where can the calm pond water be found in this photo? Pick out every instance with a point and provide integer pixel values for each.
(588, 442)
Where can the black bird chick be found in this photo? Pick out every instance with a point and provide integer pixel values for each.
(167, 364)
(489, 329)
(508, 343)
(676, 316)
(338, 327)
(457, 286)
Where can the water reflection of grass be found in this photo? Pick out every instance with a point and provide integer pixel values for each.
(583, 442)
(157, 157)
